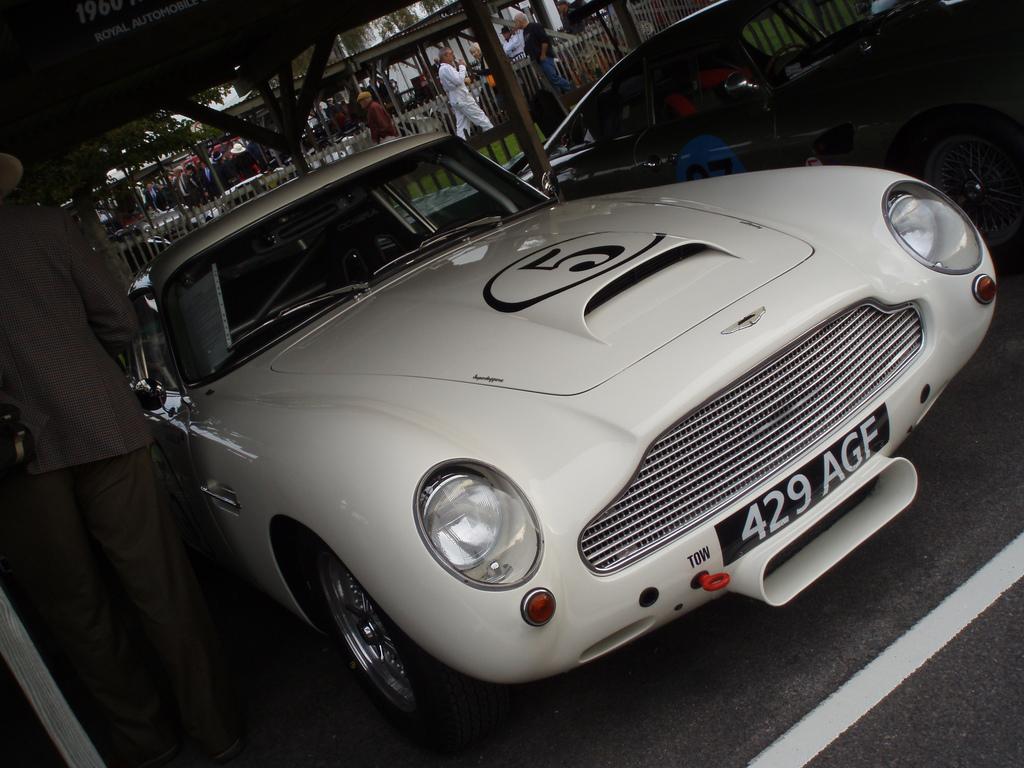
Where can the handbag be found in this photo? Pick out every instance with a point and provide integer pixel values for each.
(17, 446)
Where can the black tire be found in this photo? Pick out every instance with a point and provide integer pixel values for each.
(979, 163)
(425, 699)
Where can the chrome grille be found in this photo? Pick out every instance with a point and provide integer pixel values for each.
(757, 426)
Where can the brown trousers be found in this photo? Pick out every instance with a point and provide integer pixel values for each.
(47, 522)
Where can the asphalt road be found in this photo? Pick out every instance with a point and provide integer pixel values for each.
(719, 686)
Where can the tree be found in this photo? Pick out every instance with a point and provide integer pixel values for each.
(361, 38)
(433, 6)
(79, 174)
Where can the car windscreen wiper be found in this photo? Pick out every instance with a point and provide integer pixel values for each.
(470, 226)
(350, 290)
(423, 250)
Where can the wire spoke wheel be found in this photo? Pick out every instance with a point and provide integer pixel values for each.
(983, 180)
(426, 700)
(361, 625)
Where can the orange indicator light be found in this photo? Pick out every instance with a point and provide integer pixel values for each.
(984, 289)
(538, 607)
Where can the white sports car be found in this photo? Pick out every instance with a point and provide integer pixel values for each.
(484, 437)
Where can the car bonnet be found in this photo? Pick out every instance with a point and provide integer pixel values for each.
(557, 304)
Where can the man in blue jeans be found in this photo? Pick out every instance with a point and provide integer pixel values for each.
(538, 45)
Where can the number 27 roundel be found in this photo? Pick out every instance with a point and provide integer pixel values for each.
(557, 268)
(707, 156)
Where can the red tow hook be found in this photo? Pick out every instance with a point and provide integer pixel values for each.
(710, 582)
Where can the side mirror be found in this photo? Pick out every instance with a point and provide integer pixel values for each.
(549, 185)
(739, 84)
(151, 394)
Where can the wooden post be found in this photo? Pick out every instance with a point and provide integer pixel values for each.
(629, 30)
(516, 107)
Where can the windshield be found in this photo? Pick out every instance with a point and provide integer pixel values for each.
(791, 37)
(264, 281)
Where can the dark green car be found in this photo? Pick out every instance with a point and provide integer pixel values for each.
(934, 88)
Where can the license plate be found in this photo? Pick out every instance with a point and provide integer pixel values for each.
(791, 497)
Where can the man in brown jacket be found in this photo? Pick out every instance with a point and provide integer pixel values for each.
(377, 118)
(63, 319)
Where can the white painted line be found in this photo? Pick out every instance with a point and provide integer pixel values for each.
(867, 688)
(32, 674)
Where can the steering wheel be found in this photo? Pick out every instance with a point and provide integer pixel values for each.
(784, 49)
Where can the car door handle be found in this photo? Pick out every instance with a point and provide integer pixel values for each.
(221, 493)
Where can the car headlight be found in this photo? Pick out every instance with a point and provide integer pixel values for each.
(478, 525)
(932, 229)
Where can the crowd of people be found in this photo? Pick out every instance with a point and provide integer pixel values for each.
(202, 179)
(197, 181)
(194, 183)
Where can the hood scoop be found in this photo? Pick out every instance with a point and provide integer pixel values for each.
(638, 274)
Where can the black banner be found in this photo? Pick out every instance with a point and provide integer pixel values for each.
(51, 31)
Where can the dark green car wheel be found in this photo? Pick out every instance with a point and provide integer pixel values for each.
(981, 167)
